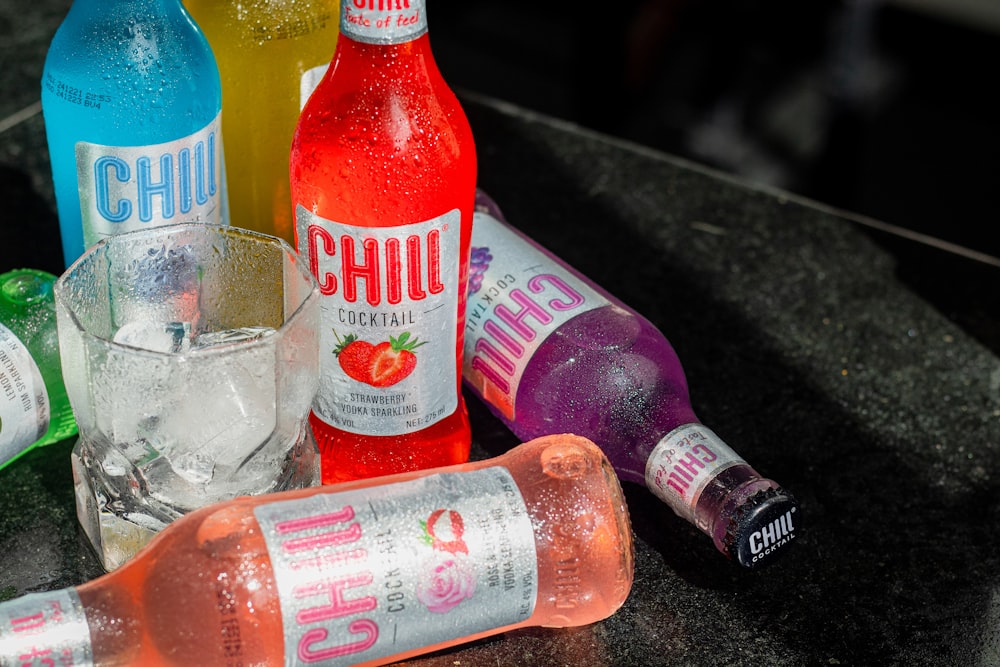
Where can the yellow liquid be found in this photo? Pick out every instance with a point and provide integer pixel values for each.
(267, 52)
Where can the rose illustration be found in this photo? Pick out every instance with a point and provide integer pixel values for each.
(444, 581)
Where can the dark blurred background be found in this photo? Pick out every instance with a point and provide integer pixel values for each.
(888, 109)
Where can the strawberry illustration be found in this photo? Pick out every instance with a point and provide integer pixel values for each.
(393, 361)
(354, 356)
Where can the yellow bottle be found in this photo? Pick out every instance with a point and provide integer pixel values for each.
(271, 54)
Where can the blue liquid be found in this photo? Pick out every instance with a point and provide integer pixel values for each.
(127, 73)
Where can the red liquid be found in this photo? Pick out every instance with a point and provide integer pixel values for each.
(383, 142)
(203, 591)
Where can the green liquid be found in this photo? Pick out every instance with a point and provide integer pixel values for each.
(27, 309)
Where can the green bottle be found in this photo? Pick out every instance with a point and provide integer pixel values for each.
(34, 409)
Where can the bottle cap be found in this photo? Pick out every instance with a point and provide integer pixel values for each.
(25, 286)
(23, 291)
(762, 528)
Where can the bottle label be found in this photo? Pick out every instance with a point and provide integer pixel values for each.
(123, 188)
(518, 296)
(24, 400)
(383, 21)
(388, 318)
(308, 82)
(373, 572)
(45, 629)
(682, 464)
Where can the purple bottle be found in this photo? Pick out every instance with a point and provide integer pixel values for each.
(549, 351)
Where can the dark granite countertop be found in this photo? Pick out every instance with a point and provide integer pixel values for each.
(857, 367)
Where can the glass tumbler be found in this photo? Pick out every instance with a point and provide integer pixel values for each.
(190, 357)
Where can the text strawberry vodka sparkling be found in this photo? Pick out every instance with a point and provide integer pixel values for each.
(369, 573)
(385, 352)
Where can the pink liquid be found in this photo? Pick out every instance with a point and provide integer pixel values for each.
(203, 592)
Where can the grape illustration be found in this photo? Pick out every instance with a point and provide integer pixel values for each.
(478, 264)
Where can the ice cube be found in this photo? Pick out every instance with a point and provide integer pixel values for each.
(225, 407)
(167, 337)
(228, 336)
(195, 467)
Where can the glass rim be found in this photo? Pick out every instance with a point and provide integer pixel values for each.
(60, 287)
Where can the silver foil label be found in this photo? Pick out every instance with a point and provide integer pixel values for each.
(308, 82)
(383, 21)
(389, 313)
(518, 297)
(43, 629)
(683, 463)
(125, 188)
(369, 573)
(24, 399)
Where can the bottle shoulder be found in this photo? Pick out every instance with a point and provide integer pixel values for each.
(27, 305)
(286, 29)
(389, 126)
(162, 593)
(131, 85)
(611, 337)
(579, 517)
(384, 72)
(126, 45)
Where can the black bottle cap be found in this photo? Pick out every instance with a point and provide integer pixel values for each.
(762, 528)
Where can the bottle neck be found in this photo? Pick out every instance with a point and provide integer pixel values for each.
(45, 625)
(24, 291)
(124, 9)
(383, 22)
(638, 444)
(365, 67)
(686, 470)
(133, 16)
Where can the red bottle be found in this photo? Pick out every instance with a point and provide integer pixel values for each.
(383, 177)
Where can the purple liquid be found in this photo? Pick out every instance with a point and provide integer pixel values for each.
(607, 374)
(610, 375)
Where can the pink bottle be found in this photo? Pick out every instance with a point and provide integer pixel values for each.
(361, 573)
(549, 351)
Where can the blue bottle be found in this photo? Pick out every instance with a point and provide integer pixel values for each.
(132, 105)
